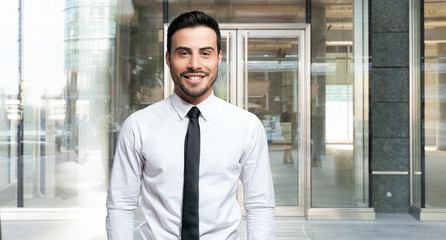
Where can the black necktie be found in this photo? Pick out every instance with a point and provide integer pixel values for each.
(189, 230)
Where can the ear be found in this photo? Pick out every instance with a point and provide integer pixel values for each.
(220, 57)
(167, 57)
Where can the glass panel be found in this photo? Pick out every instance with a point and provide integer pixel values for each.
(272, 96)
(339, 106)
(140, 58)
(9, 103)
(434, 103)
(244, 11)
(221, 86)
(67, 86)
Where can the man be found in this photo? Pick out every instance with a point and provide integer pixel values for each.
(152, 151)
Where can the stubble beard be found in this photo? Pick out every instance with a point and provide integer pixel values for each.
(192, 90)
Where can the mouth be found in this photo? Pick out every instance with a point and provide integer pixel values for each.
(194, 78)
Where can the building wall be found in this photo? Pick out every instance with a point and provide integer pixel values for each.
(390, 105)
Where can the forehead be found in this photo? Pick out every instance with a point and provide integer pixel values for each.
(200, 36)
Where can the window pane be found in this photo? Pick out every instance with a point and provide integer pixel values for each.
(67, 74)
(272, 87)
(140, 57)
(339, 106)
(9, 103)
(434, 103)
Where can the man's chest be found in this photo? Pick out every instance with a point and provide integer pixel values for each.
(221, 148)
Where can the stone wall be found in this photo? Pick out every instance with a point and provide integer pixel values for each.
(389, 89)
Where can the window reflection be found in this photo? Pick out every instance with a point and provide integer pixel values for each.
(97, 62)
(339, 175)
(66, 78)
(9, 104)
(434, 103)
(272, 96)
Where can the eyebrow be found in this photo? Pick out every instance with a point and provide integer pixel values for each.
(189, 49)
(207, 48)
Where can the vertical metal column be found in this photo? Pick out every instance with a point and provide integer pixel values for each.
(422, 107)
(308, 11)
(370, 100)
(360, 104)
(20, 122)
(165, 11)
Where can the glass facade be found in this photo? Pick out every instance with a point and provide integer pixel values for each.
(339, 103)
(56, 109)
(72, 71)
(9, 104)
(429, 126)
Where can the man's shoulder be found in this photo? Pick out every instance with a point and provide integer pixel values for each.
(235, 112)
(151, 112)
(154, 108)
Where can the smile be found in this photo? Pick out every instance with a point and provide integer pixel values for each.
(194, 78)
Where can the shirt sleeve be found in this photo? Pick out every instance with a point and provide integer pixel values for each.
(258, 190)
(125, 182)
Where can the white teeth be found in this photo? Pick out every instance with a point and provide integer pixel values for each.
(195, 78)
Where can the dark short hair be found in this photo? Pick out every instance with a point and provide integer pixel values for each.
(190, 20)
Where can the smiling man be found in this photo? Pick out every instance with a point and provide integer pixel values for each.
(187, 153)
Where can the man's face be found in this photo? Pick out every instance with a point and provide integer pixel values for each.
(194, 62)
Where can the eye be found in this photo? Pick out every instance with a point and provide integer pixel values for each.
(206, 53)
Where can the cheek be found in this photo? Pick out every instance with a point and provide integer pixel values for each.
(215, 67)
(173, 68)
(178, 66)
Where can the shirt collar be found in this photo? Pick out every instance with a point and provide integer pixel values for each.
(182, 107)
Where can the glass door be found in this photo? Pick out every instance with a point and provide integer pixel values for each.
(270, 83)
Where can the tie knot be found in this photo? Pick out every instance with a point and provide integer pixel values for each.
(193, 113)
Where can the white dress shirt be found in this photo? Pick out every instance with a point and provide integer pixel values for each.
(150, 158)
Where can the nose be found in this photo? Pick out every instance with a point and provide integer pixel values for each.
(194, 62)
